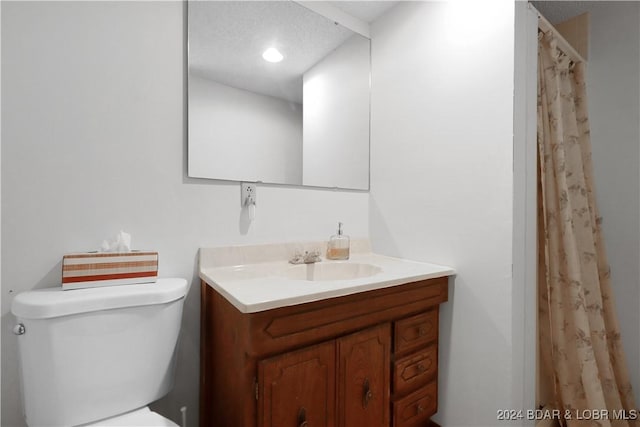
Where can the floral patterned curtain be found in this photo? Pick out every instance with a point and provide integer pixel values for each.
(580, 345)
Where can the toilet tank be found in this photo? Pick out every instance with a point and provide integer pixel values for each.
(90, 354)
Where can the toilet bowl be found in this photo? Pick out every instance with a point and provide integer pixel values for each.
(98, 356)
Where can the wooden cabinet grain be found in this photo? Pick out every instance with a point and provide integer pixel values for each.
(298, 388)
(362, 360)
(363, 377)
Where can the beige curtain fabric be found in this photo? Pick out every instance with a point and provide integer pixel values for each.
(580, 346)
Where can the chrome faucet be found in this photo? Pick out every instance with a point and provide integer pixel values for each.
(306, 258)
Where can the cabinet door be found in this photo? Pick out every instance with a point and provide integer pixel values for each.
(363, 378)
(297, 389)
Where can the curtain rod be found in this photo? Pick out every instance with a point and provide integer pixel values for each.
(563, 44)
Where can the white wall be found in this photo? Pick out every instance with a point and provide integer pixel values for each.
(336, 118)
(442, 182)
(613, 91)
(94, 141)
(239, 135)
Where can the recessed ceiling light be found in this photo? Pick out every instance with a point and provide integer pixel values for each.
(272, 55)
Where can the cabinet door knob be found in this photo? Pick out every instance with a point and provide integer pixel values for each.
(302, 418)
(367, 394)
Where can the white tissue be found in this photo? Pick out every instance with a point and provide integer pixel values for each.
(120, 243)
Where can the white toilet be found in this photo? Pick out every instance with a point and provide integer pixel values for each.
(97, 357)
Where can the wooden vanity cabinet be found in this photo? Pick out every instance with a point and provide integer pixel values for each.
(367, 359)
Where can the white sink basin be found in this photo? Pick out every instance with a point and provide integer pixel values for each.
(258, 278)
(324, 271)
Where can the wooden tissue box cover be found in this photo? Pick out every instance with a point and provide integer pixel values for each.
(88, 270)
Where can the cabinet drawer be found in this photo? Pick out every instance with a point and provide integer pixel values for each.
(414, 370)
(417, 407)
(416, 331)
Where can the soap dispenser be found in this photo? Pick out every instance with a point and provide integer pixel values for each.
(338, 246)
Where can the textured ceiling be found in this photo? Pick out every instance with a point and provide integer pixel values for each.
(558, 11)
(227, 38)
(366, 11)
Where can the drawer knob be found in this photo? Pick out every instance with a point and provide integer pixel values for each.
(422, 331)
(420, 408)
(421, 367)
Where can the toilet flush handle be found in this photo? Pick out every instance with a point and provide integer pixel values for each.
(19, 329)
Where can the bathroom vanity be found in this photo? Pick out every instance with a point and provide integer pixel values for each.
(280, 351)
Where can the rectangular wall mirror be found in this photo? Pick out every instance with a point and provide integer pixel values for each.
(302, 120)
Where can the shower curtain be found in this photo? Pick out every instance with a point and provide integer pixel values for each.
(580, 346)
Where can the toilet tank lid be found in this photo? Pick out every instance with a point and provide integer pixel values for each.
(54, 302)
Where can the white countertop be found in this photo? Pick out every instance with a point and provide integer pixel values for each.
(259, 286)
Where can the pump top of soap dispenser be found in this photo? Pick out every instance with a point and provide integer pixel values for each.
(338, 246)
